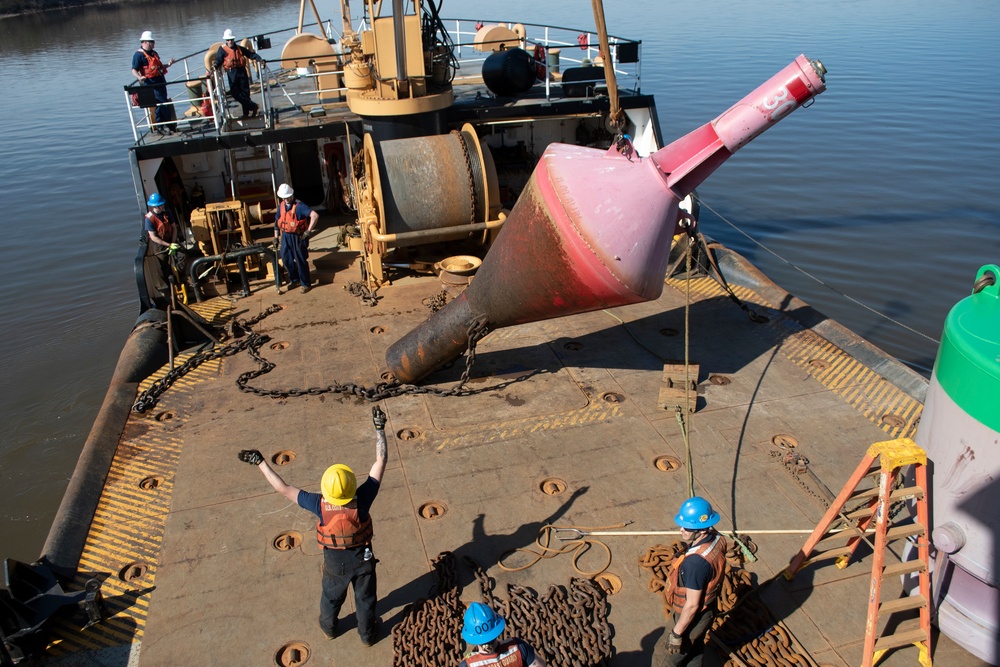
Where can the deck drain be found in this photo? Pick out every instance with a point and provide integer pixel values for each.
(612, 397)
(377, 330)
(409, 434)
(432, 510)
(552, 486)
(150, 483)
(785, 441)
(573, 346)
(165, 416)
(133, 571)
(292, 654)
(286, 541)
(669, 332)
(667, 463)
(893, 421)
(388, 377)
(819, 363)
(283, 458)
(280, 345)
(610, 582)
(721, 380)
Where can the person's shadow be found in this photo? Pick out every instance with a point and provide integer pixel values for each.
(483, 548)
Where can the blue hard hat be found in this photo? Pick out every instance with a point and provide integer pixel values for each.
(696, 513)
(155, 200)
(482, 624)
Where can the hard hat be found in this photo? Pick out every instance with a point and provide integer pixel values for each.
(482, 624)
(696, 513)
(155, 200)
(147, 37)
(339, 484)
(228, 34)
(285, 191)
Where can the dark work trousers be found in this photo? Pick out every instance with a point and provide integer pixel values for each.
(693, 648)
(239, 88)
(164, 112)
(295, 257)
(343, 567)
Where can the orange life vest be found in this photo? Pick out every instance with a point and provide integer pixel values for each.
(164, 229)
(342, 528)
(714, 551)
(154, 66)
(507, 655)
(288, 221)
(234, 58)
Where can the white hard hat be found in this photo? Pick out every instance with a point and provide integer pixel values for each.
(147, 37)
(285, 191)
(228, 34)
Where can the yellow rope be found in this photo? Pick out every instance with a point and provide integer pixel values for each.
(576, 547)
(687, 371)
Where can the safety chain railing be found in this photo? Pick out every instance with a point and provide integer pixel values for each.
(567, 626)
(743, 626)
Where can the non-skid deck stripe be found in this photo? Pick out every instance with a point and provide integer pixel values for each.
(128, 524)
(870, 394)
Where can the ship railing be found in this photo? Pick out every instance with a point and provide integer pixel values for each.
(564, 48)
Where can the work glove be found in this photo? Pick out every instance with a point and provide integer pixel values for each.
(251, 456)
(378, 418)
(306, 234)
(173, 248)
(674, 643)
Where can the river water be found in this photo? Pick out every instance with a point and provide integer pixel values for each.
(885, 190)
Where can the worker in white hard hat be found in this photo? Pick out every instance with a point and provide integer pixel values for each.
(149, 70)
(693, 586)
(294, 223)
(344, 532)
(234, 59)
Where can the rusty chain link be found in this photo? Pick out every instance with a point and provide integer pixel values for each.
(567, 626)
(363, 292)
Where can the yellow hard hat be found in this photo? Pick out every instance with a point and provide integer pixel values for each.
(339, 484)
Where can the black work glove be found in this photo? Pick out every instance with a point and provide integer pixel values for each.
(378, 418)
(251, 456)
(674, 643)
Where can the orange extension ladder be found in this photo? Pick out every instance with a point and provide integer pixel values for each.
(886, 459)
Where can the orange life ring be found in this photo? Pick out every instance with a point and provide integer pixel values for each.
(539, 62)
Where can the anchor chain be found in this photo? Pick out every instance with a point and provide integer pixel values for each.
(148, 398)
(567, 626)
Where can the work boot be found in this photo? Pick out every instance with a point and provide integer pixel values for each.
(372, 638)
(332, 632)
(304, 289)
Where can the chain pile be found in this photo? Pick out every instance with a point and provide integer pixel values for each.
(743, 624)
(363, 292)
(436, 302)
(430, 633)
(567, 626)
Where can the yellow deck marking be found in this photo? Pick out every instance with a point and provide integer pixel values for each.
(870, 394)
(498, 431)
(128, 524)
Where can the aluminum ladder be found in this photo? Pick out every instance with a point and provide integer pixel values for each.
(886, 460)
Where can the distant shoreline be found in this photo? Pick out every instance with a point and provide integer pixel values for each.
(11, 8)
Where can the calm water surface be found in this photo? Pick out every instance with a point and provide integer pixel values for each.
(886, 189)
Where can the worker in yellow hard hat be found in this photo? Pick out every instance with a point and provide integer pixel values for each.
(344, 531)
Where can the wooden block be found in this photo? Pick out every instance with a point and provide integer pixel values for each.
(672, 391)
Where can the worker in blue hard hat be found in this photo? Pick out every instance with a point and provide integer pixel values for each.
(482, 630)
(160, 233)
(692, 586)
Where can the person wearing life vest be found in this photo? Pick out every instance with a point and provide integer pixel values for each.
(344, 531)
(294, 223)
(692, 586)
(161, 231)
(149, 70)
(481, 630)
(234, 59)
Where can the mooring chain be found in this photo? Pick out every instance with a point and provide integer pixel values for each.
(148, 398)
(791, 463)
(382, 390)
(362, 291)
